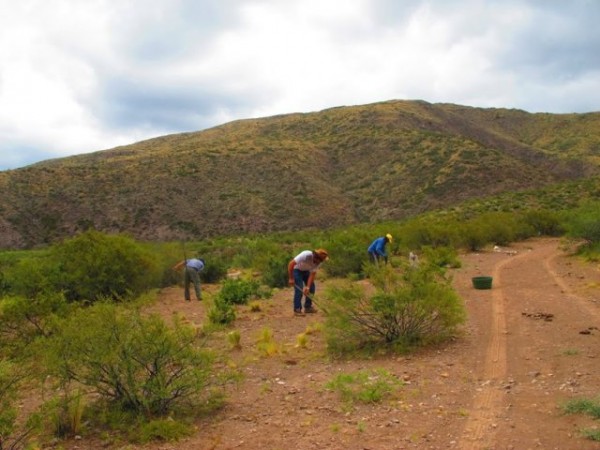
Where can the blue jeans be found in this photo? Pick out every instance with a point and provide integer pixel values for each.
(300, 280)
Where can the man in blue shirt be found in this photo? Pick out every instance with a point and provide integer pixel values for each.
(193, 267)
(377, 248)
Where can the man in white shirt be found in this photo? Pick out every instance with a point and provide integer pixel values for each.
(302, 271)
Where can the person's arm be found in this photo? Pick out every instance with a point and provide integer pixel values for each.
(291, 266)
(311, 279)
(179, 265)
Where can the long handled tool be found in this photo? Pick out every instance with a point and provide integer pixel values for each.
(307, 296)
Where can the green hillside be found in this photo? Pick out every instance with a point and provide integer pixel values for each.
(346, 165)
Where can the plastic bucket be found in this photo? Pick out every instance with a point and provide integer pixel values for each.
(482, 282)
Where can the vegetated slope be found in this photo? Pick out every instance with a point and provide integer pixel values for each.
(339, 166)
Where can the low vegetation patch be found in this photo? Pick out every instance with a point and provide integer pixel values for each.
(587, 407)
(364, 386)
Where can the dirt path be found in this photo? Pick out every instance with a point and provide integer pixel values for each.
(535, 355)
(496, 387)
(480, 425)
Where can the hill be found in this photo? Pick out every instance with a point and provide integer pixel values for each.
(383, 161)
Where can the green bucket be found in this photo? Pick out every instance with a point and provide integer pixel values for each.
(482, 282)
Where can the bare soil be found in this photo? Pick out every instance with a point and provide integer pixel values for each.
(530, 343)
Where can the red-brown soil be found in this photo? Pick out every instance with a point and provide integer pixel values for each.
(530, 343)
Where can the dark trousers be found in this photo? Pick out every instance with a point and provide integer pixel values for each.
(192, 276)
(300, 280)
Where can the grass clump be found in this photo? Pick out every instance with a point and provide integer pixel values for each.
(364, 386)
(587, 407)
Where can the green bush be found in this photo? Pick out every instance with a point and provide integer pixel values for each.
(215, 269)
(221, 312)
(544, 222)
(427, 231)
(12, 435)
(584, 223)
(97, 266)
(33, 276)
(136, 363)
(410, 308)
(275, 273)
(22, 320)
(441, 256)
(347, 255)
(238, 292)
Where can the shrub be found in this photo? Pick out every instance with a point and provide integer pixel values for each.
(275, 273)
(32, 276)
(24, 319)
(442, 257)
(136, 363)
(12, 436)
(94, 266)
(584, 223)
(347, 255)
(544, 222)
(214, 270)
(238, 292)
(414, 307)
(221, 312)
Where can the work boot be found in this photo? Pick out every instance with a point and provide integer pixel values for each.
(310, 310)
(298, 312)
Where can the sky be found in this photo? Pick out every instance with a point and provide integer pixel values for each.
(78, 76)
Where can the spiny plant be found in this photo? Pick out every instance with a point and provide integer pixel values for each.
(266, 344)
(234, 338)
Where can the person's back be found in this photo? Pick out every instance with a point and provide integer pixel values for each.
(377, 248)
(197, 264)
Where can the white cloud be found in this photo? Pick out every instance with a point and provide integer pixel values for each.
(84, 76)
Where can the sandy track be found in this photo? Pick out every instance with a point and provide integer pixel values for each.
(534, 356)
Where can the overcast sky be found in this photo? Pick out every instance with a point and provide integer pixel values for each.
(83, 75)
